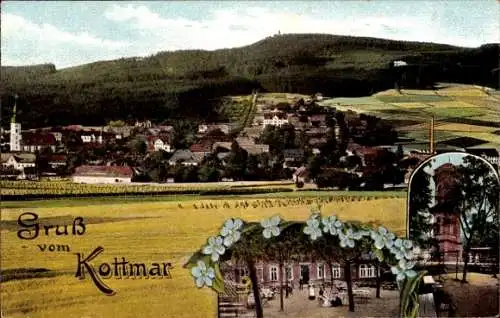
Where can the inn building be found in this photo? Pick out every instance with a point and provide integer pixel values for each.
(315, 272)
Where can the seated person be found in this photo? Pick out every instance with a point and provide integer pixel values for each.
(336, 301)
(324, 301)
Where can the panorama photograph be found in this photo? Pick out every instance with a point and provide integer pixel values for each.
(249, 158)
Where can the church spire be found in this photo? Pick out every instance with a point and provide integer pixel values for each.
(14, 111)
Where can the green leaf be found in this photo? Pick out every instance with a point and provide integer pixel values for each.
(193, 260)
(409, 295)
(379, 254)
(218, 283)
(250, 227)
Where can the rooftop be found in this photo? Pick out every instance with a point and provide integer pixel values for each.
(104, 171)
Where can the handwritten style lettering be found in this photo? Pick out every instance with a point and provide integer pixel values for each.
(31, 229)
(118, 269)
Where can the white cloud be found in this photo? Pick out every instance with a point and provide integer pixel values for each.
(14, 25)
(24, 42)
(148, 32)
(230, 28)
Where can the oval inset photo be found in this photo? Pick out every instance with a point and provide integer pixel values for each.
(453, 209)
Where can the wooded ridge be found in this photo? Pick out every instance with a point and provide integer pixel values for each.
(188, 84)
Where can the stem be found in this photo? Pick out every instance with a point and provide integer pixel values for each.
(348, 279)
(281, 287)
(255, 288)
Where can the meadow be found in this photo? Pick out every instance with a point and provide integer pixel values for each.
(477, 109)
(150, 231)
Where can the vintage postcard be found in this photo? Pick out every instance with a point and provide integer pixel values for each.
(249, 159)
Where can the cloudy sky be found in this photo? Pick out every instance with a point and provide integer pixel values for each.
(72, 33)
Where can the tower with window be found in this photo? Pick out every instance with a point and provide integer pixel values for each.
(447, 223)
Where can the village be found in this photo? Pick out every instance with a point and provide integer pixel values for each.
(297, 141)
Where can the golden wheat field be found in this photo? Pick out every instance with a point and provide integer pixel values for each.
(142, 232)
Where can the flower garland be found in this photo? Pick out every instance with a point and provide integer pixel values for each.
(400, 253)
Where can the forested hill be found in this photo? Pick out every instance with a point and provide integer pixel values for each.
(187, 84)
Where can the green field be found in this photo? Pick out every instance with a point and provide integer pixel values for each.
(148, 231)
(453, 103)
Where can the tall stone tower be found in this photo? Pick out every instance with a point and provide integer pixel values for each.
(447, 228)
(15, 130)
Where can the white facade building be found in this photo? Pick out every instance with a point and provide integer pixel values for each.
(275, 121)
(18, 161)
(103, 174)
(161, 145)
(92, 138)
(15, 136)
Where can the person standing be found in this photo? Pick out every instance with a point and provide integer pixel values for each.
(311, 292)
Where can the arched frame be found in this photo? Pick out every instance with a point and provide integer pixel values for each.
(425, 162)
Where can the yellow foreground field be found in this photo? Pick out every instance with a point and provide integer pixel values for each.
(142, 233)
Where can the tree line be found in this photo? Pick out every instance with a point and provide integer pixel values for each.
(183, 83)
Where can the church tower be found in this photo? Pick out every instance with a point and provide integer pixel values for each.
(15, 130)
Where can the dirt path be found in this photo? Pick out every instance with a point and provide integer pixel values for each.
(298, 305)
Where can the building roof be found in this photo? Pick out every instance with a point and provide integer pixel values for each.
(316, 131)
(245, 141)
(163, 130)
(153, 139)
(223, 155)
(364, 151)
(201, 147)
(277, 115)
(252, 149)
(104, 171)
(199, 156)
(256, 149)
(187, 156)
(221, 126)
(295, 153)
(38, 139)
(181, 154)
(318, 117)
(301, 172)
(20, 157)
(317, 141)
(57, 158)
(221, 144)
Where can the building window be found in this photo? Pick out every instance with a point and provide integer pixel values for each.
(437, 226)
(289, 272)
(260, 274)
(243, 272)
(273, 273)
(336, 271)
(321, 271)
(366, 271)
